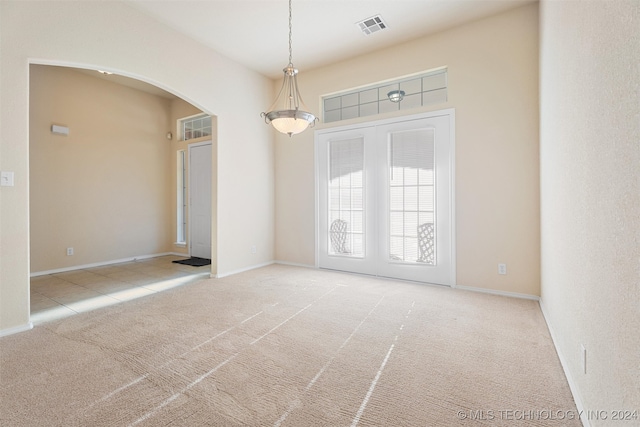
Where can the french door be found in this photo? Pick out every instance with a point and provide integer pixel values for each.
(385, 196)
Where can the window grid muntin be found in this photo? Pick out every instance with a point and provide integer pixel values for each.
(196, 127)
(433, 89)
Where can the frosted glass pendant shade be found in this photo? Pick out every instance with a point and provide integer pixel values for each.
(290, 126)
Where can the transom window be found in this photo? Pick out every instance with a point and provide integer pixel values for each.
(407, 92)
(196, 127)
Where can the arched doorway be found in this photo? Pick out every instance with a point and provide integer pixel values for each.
(102, 187)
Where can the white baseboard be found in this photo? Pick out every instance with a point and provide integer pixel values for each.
(465, 288)
(241, 270)
(176, 254)
(16, 329)
(496, 292)
(295, 264)
(103, 263)
(565, 367)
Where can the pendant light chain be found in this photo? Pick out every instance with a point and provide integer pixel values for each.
(290, 31)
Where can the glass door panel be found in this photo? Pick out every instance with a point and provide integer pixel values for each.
(346, 202)
(346, 195)
(410, 157)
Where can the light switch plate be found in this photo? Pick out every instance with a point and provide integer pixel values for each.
(6, 179)
(502, 268)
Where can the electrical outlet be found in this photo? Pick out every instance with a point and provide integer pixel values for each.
(254, 249)
(502, 268)
(583, 353)
(69, 251)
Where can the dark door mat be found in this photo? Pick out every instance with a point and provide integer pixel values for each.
(194, 261)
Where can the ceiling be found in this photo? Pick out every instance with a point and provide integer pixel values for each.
(255, 32)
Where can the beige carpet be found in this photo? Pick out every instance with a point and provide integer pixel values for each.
(293, 347)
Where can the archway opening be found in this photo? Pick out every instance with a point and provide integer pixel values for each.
(104, 172)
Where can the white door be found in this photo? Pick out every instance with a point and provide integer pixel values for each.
(385, 198)
(200, 158)
(347, 200)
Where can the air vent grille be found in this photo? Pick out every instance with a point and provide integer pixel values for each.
(372, 25)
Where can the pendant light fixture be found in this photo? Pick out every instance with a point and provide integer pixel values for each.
(287, 114)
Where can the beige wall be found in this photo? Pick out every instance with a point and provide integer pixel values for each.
(590, 196)
(493, 86)
(104, 189)
(107, 35)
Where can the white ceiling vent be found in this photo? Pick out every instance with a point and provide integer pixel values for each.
(372, 25)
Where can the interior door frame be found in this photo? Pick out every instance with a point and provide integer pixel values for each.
(189, 194)
(450, 112)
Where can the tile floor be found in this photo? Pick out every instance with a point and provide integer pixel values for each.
(59, 295)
